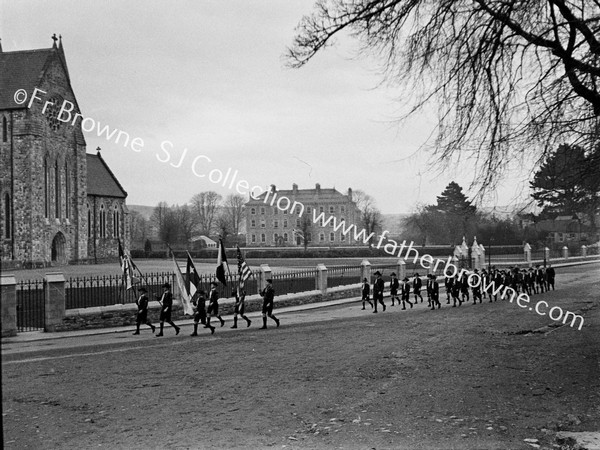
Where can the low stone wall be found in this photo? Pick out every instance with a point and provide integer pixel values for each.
(124, 315)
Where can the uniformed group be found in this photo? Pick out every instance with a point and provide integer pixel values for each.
(529, 281)
(203, 313)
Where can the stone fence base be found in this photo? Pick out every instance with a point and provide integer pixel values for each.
(124, 315)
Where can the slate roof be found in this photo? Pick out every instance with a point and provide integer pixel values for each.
(100, 180)
(21, 70)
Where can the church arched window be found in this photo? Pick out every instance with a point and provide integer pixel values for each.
(116, 222)
(46, 188)
(57, 190)
(7, 216)
(102, 221)
(67, 192)
(4, 130)
(89, 216)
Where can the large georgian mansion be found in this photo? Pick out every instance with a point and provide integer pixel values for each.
(270, 225)
(59, 204)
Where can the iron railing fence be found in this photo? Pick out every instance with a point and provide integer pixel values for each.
(343, 275)
(296, 281)
(30, 305)
(105, 290)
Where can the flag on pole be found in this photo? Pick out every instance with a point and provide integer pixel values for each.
(185, 295)
(222, 263)
(244, 271)
(193, 279)
(127, 266)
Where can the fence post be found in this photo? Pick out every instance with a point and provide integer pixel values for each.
(546, 253)
(401, 269)
(527, 251)
(321, 278)
(8, 286)
(583, 250)
(565, 250)
(365, 270)
(263, 276)
(54, 301)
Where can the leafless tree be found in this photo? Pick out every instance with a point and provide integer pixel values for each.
(510, 79)
(205, 206)
(138, 227)
(368, 214)
(233, 211)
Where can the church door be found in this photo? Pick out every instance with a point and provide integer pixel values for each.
(58, 249)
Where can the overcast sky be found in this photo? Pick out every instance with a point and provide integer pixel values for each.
(209, 76)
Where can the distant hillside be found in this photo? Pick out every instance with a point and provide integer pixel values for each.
(144, 211)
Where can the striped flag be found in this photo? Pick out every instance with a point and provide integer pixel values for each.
(222, 263)
(244, 271)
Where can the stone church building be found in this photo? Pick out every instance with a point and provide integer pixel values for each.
(59, 203)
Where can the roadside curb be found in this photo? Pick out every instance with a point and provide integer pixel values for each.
(33, 336)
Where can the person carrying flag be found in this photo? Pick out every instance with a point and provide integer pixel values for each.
(213, 305)
(244, 273)
(142, 314)
(240, 306)
(199, 301)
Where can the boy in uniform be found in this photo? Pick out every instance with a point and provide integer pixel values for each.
(406, 293)
(394, 285)
(240, 307)
(142, 314)
(366, 290)
(268, 295)
(200, 312)
(165, 313)
(213, 305)
(378, 287)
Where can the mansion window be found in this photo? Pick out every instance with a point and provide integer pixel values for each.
(332, 210)
(321, 209)
(322, 237)
(285, 237)
(254, 239)
(263, 238)
(298, 223)
(342, 209)
(342, 237)
(253, 223)
(262, 210)
(262, 224)
(253, 211)
(285, 223)
(276, 224)
(332, 237)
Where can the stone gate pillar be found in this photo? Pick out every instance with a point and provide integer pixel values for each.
(365, 271)
(54, 301)
(321, 282)
(8, 286)
(263, 276)
(401, 269)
